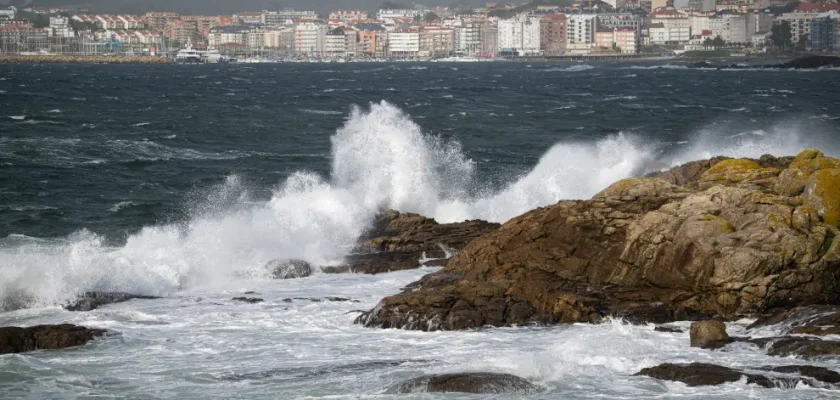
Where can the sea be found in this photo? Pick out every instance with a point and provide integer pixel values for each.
(183, 181)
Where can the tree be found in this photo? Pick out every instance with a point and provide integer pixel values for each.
(718, 42)
(708, 42)
(430, 16)
(781, 36)
(803, 43)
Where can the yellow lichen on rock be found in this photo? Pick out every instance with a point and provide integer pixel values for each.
(737, 170)
(793, 180)
(822, 192)
(635, 187)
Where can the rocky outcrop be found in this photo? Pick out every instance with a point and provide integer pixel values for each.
(723, 245)
(812, 62)
(399, 241)
(803, 347)
(708, 334)
(288, 269)
(475, 382)
(91, 300)
(45, 337)
(700, 374)
(807, 320)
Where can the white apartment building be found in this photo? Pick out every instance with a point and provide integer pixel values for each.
(341, 42)
(387, 15)
(468, 39)
(733, 27)
(670, 26)
(273, 18)
(521, 33)
(310, 39)
(580, 31)
(348, 15)
(404, 44)
(60, 27)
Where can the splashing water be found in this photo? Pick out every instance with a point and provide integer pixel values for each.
(380, 160)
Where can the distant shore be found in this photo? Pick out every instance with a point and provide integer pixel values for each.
(70, 59)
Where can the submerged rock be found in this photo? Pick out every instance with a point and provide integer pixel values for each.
(708, 334)
(668, 329)
(468, 382)
(812, 62)
(399, 241)
(251, 300)
(804, 347)
(92, 300)
(321, 299)
(43, 337)
(288, 269)
(723, 245)
(701, 374)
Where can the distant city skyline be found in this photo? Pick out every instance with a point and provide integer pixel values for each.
(226, 6)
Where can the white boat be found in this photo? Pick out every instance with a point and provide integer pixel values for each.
(189, 55)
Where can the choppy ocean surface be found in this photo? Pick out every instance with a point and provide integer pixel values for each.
(170, 181)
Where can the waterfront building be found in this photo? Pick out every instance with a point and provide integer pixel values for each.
(404, 44)
(553, 33)
(160, 20)
(436, 42)
(489, 40)
(341, 42)
(824, 32)
(580, 31)
(310, 39)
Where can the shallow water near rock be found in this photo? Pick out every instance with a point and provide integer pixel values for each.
(173, 182)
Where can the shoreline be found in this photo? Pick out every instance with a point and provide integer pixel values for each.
(69, 59)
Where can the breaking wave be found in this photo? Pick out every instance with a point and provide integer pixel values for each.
(381, 159)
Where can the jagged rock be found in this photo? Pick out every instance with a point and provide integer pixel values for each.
(288, 269)
(474, 382)
(43, 337)
(822, 192)
(688, 172)
(251, 300)
(643, 249)
(667, 329)
(804, 347)
(738, 172)
(92, 300)
(398, 241)
(792, 180)
(708, 334)
(701, 374)
(807, 320)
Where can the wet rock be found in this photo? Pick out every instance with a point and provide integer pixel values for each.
(708, 334)
(667, 329)
(288, 269)
(787, 377)
(808, 320)
(43, 337)
(399, 241)
(321, 299)
(474, 382)
(92, 300)
(251, 300)
(644, 249)
(804, 347)
(697, 374)
(812, 62)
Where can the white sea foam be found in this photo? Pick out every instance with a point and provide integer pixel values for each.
(573, 68)
(17, 117)
(121, 206)
(381, 159)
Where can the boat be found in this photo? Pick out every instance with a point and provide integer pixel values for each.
(189, 55)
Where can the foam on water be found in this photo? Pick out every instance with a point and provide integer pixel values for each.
(381, 159)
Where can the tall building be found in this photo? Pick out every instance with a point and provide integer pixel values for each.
(404, 44)
(489, 40)
(520, 34)
(553, 33)
(341, 42)
(824, 33)
(436, 42)
(580, 31)
(348, 15)
(160, 20)
(310, 39)
(274, 18)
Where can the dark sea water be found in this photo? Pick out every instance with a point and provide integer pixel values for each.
(174, 180)
(77, 141)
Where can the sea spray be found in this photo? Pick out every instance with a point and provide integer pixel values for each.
(381, 159)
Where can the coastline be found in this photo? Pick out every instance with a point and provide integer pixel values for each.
(69, 59)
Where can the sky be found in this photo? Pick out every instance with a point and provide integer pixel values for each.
(230, 6)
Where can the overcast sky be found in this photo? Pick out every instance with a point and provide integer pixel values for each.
(231, 6)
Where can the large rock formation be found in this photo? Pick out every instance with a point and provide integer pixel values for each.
(724, 244)
(18, 340)
(89, 301)
(708, 334)
(471, 382)
(399, 241)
